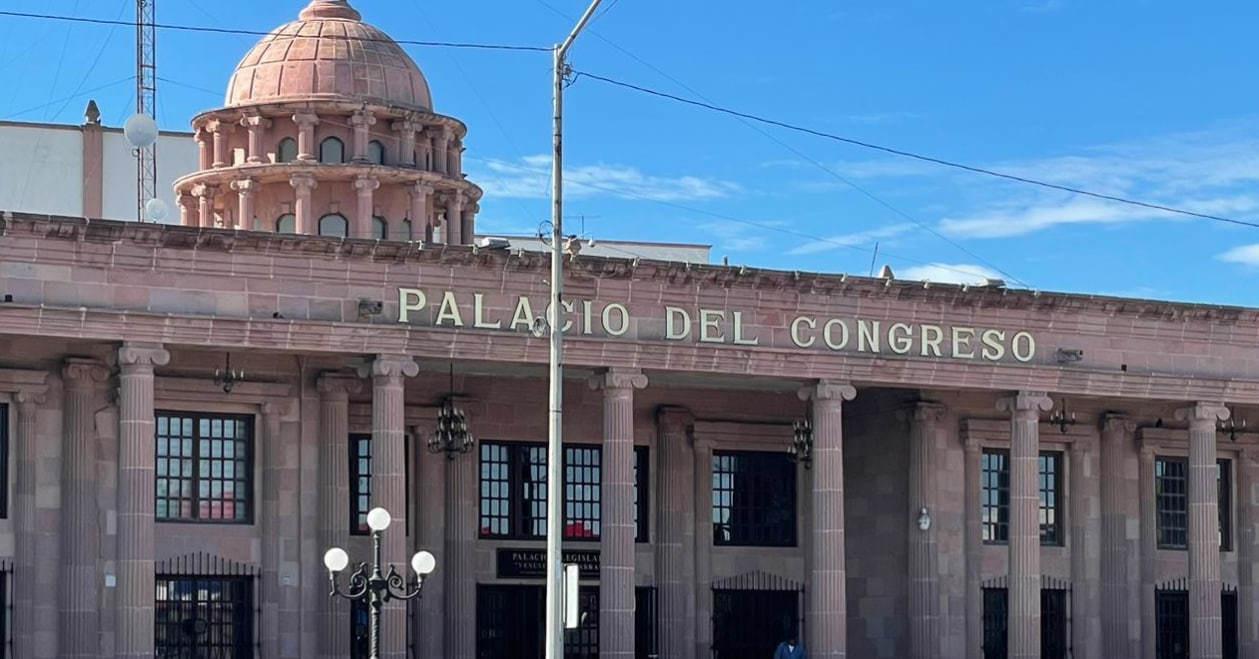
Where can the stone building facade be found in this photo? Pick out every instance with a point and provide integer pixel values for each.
(989, 472)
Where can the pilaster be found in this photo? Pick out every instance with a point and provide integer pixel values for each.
(925, 634)
(334, 494)
(406, 130)
(306, 123)
(1120, 586)
(1247, 539)
(26, 521)
(974, 544)
(1149, 550)
(675, 537)
(462, 501)
(246, 189)
(303, 214)
(1084, 543)
(80, 532)
(362, 122)
(364, 188)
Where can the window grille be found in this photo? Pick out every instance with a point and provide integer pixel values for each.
(754, 499)
(1171, 497)
(582, 492)
(513, 491)
(205, 607)
(995, 496)
(204, 468)
(6, 607)
(1049, 468)
(1171, 620)
(754, 612)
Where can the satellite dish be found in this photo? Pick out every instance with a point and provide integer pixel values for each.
(156, 210)
(140, 131)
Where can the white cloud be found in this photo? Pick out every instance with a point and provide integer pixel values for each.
(944, 273)
(1022, 219)
(1243, 254)
(530, 178)
(857, 239)
(734, 237)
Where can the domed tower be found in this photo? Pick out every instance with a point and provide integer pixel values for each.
(329, 130)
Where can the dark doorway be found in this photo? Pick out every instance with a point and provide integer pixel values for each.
(1053, 623)
(1228, 611)
(996, 618)
(1171, 611)
(510, 623)
(749, 624)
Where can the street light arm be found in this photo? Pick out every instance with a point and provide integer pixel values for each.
(359, 584)
(562, 49)
(397, 587)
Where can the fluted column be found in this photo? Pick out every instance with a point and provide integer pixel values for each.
(362, 122)
(675, 537)
(257, 126)
(1247, 551)
(1205, 638)
(272, 525)
(219, 130)
(246, 189)
(136, 454)
(303, 185)
(365, 188)
(26, 523)
(453, 157)
(421, 221)
(80, 535)
(702, 491)
(205, 160)
(424, 148)
(205, 204)
(441, 142)
(469, 223)
(388, 374)
(1117, 551)
(924, 567)
(616, 538)
(406, 129)
(306, 123)
(826, 615)
(334, 494)
(454, 219)
(974, 544)
(461, 532)
(1149, 550)
(188, 210)
(1024, 580)
(1082, 498)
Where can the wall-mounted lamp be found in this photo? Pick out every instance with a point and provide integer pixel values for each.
(1233, 426)
(924, 520)
(1062, 417)
(227, 377)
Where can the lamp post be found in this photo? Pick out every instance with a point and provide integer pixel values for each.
(373, 586)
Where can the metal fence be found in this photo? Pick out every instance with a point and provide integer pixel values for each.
(206, 607)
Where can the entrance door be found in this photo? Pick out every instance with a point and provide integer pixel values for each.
(510, 622)
(749, 624)
(1171, 610)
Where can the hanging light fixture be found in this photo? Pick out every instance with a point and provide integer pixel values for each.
(452, 436)
(1062, 417)
(1233, 426)
(226, 377)
(802, 443)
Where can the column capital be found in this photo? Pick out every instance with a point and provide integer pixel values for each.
(618, 379)
(1117, 422)
(80, 373)
(306, 119)
(336, 385)
(255, 121)
(366, 183)
(216, 126)
(827, 390)
(1203, 413)
(31, 395)
(1028, 404)
(204, 190)
(303, 182)
(275, 409)
(407, 125)
(362, 118)
(141, 355)
(421, 188)
(454, 201)
(245, 186)
(390, 366)
(928, 412)
(674, 418)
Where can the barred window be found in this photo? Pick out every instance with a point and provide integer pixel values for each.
(1049, 468)
(360, 483)
(513, 491)
(642, 491)
(204, 616)
(1172, 502)
(995, 496)
(1225, 483)
(4, 463)
(754, 499)
(204, 468)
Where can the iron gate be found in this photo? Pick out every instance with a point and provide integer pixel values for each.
(1055, 618)
(509, 621)
(753, 613)
(646, 624)
(1171, 620)
(205, 608)
(1228, 614)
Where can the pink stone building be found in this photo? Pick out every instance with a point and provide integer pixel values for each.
(976, 471)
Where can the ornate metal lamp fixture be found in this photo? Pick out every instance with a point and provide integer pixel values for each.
(1062, 417)
(1233, 426)
(226, 377)
(802, 443)
(452, 436)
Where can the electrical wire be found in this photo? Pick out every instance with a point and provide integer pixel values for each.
(63, 99)
(259, 33)
(912, 155)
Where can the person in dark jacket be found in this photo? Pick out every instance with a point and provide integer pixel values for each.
(789, 649)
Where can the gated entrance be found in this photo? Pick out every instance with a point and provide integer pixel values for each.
(510, 622)
(753, 613)
(204, 608)
(1055, 603)
(1171, 619)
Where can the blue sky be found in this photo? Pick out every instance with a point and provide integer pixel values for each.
(1154, 100)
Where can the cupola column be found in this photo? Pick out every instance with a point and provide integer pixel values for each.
(454, 156)
(205, 205)
(454, 219)
(406, 139)
(468, 230)
(420, 218)
(188, 210)
(441, 140)
(362, 121)
(424, 149)
(204, 161)
(365, 186)
(303, 184)
(257, 127)
(306, 123)
(220, 130)
(246, 190)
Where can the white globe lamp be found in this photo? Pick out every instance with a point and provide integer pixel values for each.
(423, 563)
(378, 519)
(156, 210)
(140, 131)
(336, 559)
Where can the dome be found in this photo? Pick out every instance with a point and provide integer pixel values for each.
(329, 54)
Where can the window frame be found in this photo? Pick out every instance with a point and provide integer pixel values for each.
(358, 513)
(323, 144)
(1160, 498)
(5, 446)
(250, 483)
(519, 503)
(1058, 528)
(279, 223)
(333, 216)
(762, 534)
(1224, 501)
(279, 150)
(997, 531)
(642, 494)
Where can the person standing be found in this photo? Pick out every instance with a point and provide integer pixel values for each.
(789, 649)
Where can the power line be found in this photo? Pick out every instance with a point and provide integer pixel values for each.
(912, 155)
(258, 33)
(63, 99)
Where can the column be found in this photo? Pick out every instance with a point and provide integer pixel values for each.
(219, 130)
(1204, 530)
(362, 122)
(454, 219)
(26, 523)
(616, 540)
(826, 614)
(421, 221)
(270, 523)
(453, 156)
(460, 549)
(136, 450)
(1024, 580)
(80, 535)
(246, 189)
(205, 205)
(188, 210)
(924, 568)
(441, 141)
(429, 486)
(257, 126)
(1117, 550)
(334, 496)
(468, 230)
(364, 187)
(974, 544)
(701, 490)
(388, 482)
(1247, 551)
(424, 148)
(204, 159)
(675, 537)
(1082, 498)
(406, 129)
(303, 185)
(1149, 550)
(306, 123)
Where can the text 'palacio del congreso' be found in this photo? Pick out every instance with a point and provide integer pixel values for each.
(190, 414)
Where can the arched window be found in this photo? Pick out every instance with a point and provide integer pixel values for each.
(286, 151)
(376, 152)
(408, 232)
(334, 225)
(332, 151)
(380, 228)
(286, 223)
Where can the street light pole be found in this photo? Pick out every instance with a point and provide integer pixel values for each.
(555, 450)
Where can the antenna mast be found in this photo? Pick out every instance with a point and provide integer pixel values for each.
(146, 99)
